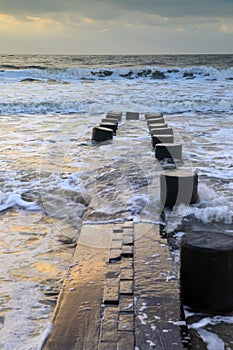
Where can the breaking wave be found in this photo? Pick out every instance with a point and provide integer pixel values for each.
(43, 74)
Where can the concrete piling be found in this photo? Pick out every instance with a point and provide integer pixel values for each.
(132, 116)
(153, 115)
(112, 126)
(101, 134)
(178, 186)
(155, 121)
(168, 150)
(206, 271)
(110, 120)
(162, 131)
(114, 114)
(157, 126)
(157, 139)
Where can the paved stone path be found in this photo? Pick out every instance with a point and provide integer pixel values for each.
(120, 293)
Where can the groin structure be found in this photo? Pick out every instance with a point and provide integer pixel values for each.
(121, 291)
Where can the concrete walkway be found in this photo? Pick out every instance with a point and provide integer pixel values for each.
(120, 293)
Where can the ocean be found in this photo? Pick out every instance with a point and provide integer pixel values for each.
(50, 170)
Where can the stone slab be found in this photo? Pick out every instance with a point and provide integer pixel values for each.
(107, 346)
(126, 322)
(127, 240)
(76, 319)
(111, 291)
(157, 308)
(126, 287)
(126, 303)
(126, 274)
(115, 255)
(127, 251)
(125, 341)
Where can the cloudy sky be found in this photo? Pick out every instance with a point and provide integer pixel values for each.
(116, 26)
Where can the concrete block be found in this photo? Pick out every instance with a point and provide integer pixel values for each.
(157, 126)
(114, 114)
(126, 263)
(155, 121)
(108, 346)
(168, 150)
(126, 303)
(126, 274)
(127, 251)
(153, 115)
(162, 131)
(126, 340)
(126, 322)
(100, 134)
(110, 120)
(126, 287)
(157, 139)
(115, 255)
(178, 186)
(112, 126)
(132, 116)
(128, 240)
(206, 273)
(111, 291)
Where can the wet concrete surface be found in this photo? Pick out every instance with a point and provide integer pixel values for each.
(129, 302)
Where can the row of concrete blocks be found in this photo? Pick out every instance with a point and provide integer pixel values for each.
(108, 126)
(162, 137)
(176, 186)
(206, 258)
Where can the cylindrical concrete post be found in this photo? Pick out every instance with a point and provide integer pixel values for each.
(110, 120)
(168, 150)
(178, 186)
(100, 134)
(114, 114)
(206, 271)
(162, 131)
(157, 139)
(112, 126)
(157, 126)
(156, 121)
(153, 115)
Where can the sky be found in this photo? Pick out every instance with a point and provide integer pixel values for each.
(116, 26)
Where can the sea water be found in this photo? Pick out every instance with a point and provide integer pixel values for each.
(50, 169)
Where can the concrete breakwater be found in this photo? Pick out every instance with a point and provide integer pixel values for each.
(121, 291)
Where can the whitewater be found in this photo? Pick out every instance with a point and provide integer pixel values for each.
(50, 168)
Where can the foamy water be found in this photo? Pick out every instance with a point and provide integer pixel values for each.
(50, 171)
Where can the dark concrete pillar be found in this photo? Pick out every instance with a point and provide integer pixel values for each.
(162, 131)
(114, 114)
(168, 150)
(100, 134)
(178, 186)
(132, 116)
(155, 121)
(157, 139)
(206, 272)
(112, 126)
(153, 115)
(157, 126)
(110, 120)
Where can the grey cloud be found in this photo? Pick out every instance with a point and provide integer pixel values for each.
(180, 8)
(108, 9)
